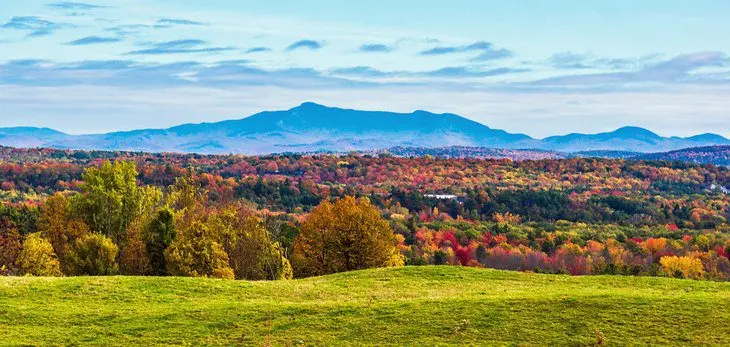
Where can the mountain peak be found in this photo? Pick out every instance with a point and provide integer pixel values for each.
(635, 132)
(308, 105)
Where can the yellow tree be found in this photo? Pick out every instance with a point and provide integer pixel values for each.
(37, 257)
(346, 235)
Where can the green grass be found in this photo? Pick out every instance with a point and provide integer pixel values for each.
(404, 306)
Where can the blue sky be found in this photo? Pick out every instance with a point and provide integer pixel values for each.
(536, 67)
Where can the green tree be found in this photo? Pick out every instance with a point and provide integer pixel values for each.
(111, 198)
(159, 234)
(37, 257)
(94, 255)
(346, 235)
(195, 252)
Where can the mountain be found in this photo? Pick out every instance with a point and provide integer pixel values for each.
(718, 155)
(29, 137)
(312, 127)
(630, 139)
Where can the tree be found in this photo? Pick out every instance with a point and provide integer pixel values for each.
(682, 267)
(37, 257)
(133, 258)
(196, 253)
(111, 198)
(346, 235)
(158, 235)
(10, 246)
(94, 255)
(252, 254)
(58, 225)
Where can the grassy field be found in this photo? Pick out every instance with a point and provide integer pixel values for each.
(405, 306)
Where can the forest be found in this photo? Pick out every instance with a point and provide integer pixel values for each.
(290, 216)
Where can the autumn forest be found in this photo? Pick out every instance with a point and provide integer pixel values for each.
(67, 213)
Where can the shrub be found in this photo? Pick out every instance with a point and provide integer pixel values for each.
(37, 257)
(94, 255)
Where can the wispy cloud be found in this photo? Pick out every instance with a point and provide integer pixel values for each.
(486, 50)
(257, 50)
(168, 22)
(441, 50)
(571, 60)
(494, 54)
(35, 26)
(181, 47)
(461, 71)
(376, 48)
(307, 44)
(685, 68)
(92, 40)
(67, 5)
(362, 71)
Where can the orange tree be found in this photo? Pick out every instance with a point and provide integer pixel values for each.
(346, 235)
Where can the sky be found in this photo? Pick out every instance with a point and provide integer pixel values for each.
(526, 66)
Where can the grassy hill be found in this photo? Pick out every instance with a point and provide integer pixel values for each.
(411, 305)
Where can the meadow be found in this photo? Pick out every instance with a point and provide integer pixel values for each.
(429, 305)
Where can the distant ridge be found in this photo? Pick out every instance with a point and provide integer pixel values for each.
(312, 127)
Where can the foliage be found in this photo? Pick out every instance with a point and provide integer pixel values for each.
(195, 252)
(346, 235)
(37, 257)
(94, 255)
(133, 258)
(10, 247)
(682, 267)
(252, 253)
(58, 225)
(158, 235)
(111, 198)
(579, 216)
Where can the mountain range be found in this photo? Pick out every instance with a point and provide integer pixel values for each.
(311, 127)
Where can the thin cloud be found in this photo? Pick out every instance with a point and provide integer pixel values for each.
(494, 54)
(486, 49)
(35, 26)
(67, 5)
(305, 44)
(680, 69)
(93, 40)
(461, 71)
(362, 71)
(442, 50)
(168, 22)
(375, 48)
(181, 47)
(257, 50)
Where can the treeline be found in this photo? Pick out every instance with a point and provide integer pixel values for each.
(578, 189)
(564, 247)
(116, 226)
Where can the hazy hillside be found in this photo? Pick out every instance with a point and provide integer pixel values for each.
(718, 155)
